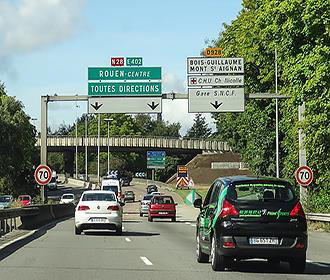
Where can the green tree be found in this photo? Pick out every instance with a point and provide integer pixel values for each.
(17, 150)
(299, 30)
(200, 128)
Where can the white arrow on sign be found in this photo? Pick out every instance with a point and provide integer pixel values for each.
(128, 105)
(202, 100)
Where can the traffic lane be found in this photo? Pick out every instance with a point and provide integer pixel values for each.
(67, 188)
(174, 250)
(60, 253)
(159, 250)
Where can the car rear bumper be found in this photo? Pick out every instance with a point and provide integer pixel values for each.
(144, 209)
(157, 215)
(285, 250)
(109, 221)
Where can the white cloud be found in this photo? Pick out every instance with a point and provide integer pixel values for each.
(177, 110)
(27, 25)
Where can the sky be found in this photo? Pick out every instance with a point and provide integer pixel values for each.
(46, 47)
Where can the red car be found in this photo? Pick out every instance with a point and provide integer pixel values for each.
(25, 199)
(162, 206)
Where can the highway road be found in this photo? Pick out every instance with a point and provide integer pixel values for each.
(158, 250)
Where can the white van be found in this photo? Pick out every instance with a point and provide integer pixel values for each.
(114, 185)
(52, 185)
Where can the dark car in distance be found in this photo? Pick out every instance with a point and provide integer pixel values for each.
(151, 189)
(251, 217)
(129, 196)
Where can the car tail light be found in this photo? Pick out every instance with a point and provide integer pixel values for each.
(83, 208)
(300, 246)
(113, 208)
(228, 245)
(228, 210)
(297, 211)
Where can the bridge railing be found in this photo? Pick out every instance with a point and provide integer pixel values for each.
(138, 141)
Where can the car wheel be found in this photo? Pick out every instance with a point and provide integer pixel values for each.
(217, 261)
(174, 219)
(119, 230)
(297, 265)
(149, 219)
(141, 215)
(201, 257)
(77, 231)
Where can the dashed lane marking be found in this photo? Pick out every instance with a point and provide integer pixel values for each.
(146, 261)
(187, 223)
(127, 239)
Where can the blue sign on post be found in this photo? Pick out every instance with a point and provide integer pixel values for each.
(156, 159)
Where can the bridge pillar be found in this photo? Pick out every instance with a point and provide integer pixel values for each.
(69, 162)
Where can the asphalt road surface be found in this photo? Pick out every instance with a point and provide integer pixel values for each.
(157, 250)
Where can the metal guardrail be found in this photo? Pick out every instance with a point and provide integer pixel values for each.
(318, 217)
(8, 217)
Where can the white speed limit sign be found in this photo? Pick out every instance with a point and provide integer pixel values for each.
(43, 175)
(304, 175)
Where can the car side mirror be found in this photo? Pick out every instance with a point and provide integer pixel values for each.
(198, 203)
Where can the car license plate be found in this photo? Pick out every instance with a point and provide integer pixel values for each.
(162, 213)
(97, 220)
(263, 240)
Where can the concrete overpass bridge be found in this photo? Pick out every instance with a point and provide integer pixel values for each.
(134, 144)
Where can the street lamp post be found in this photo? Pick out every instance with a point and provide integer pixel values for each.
(108, 122)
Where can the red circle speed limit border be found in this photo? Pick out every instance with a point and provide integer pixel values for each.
(304, 175)
(43, 175)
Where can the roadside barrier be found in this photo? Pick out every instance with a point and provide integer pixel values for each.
(318, 217)
(32, 217)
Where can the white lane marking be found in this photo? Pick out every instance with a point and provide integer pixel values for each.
(128, 240)
(187, 223)
(193, 225)
(123, 228)
(146, 261)
(317, 263)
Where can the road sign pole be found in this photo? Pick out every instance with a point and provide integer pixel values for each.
(277, 140)
(153, 174)
(86, 147)
(302, 152)
(43, 131)
(98, 148)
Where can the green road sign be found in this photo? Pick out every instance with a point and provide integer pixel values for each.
(156, 159)
(124, 73)
(125, 89)
(134, 61)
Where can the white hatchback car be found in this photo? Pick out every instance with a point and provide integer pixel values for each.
(67, 198)
(99, 210)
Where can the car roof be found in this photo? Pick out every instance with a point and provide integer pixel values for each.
(98, 191)
(68, 194)
(234, 179)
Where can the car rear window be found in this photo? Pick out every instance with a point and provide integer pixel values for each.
(260, 191)
(147, 197)
(68, 196)
(163, 200)
(4, 199)
(111, 188)
(99, 197)
(25, 198)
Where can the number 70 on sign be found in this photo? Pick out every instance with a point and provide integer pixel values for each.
(304, 175)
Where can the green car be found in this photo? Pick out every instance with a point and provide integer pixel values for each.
(6, 201)
(251, 217)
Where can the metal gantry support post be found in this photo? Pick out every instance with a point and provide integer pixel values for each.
(86, 147)
(98, 148)
(276, 122)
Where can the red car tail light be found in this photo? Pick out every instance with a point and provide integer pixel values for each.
(298, 211)
(83, 208)
(113, 208)
(228, 210)
(228, 245)
(300, 246)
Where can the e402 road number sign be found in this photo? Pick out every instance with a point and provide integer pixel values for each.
(304, 175)
(43, 174)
